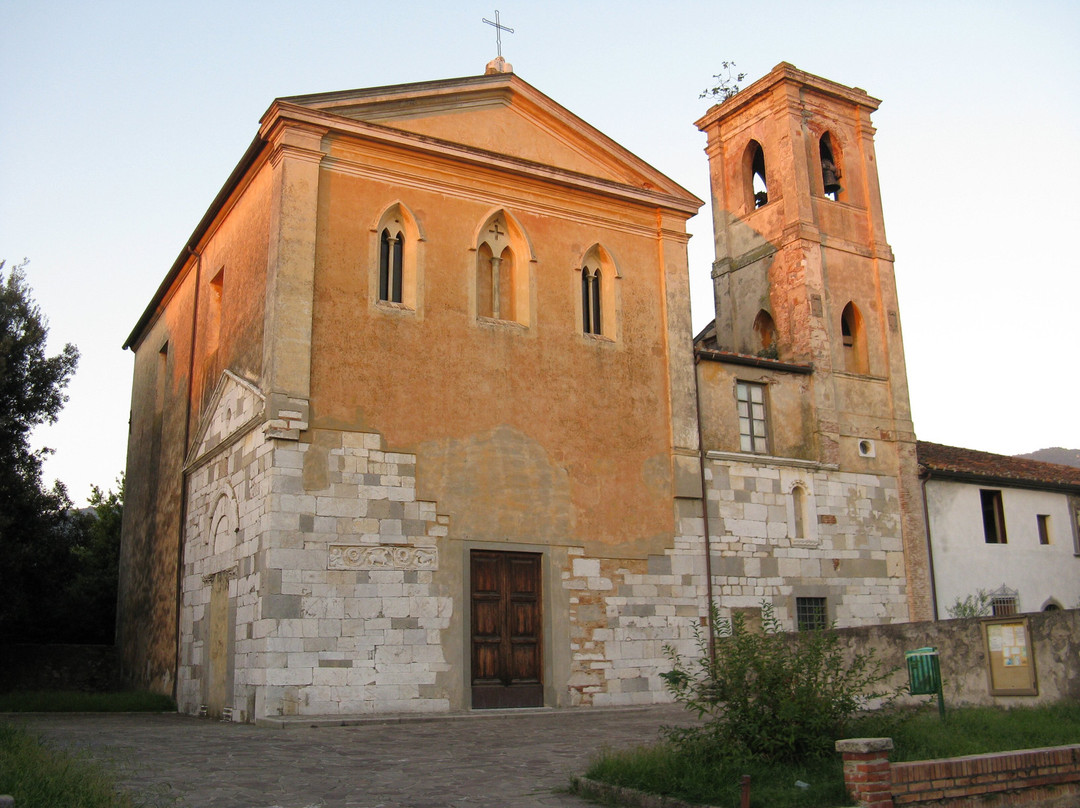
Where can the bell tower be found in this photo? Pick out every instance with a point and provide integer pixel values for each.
(804, 276)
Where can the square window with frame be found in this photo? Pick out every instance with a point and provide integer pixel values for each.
(753, 417)
(1003, 605)
(811, 614)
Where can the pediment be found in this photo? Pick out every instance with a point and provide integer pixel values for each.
(235, 407)
(500, 114)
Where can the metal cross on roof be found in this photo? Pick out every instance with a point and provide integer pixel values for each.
(499, 28)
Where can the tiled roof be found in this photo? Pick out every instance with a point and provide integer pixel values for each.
(733, 358)
(952, 460)
(706, 347)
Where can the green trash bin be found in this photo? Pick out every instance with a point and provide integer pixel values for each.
(924, 674)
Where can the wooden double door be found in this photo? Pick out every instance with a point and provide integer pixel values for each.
(507, 642)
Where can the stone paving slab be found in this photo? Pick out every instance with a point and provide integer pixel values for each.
(476, 760)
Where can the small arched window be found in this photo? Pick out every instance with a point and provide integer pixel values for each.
(801, 514)
(798, 503)
(754, 175)
(830, 167)
(765, 335)
(853, 337)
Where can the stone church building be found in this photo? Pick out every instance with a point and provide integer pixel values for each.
(419, 422)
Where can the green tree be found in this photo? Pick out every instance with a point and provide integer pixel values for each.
(36, 523)
(90, 594)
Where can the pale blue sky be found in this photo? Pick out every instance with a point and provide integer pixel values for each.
(120, 121)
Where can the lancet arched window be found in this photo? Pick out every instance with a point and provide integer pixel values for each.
(396, 271)
(391, 248)
(598, 313)
(853, 337)
(591, 306)
(502, 271)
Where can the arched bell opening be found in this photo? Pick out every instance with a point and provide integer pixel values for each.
(765, 335)
(830, 168)
(755, 178)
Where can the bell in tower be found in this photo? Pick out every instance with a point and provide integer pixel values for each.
(830, 173)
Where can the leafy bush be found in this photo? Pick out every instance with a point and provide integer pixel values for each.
(770, 695)
(977, 605)
(685, 773)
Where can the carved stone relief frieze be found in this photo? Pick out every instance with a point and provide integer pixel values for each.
(382, 556)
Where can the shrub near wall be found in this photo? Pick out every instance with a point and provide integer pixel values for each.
(87, 668)
(1055, 638)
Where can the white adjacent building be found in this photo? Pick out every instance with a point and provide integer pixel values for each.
(1007, 526)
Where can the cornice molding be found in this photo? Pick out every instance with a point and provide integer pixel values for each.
(494, 161)
(770, 460)
(796, 80)
(466, 189)
(402, 101)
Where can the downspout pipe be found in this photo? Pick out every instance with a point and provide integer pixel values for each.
(704, 513)
(924, 478)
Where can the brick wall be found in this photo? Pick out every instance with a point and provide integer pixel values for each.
(1048, 778)
(1028, 777)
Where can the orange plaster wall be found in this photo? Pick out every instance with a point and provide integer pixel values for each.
(527, 435)
(791, 416)
(146, 628)
(156, 442)
(239, 247)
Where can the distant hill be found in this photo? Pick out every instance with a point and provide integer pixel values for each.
(1055, 454)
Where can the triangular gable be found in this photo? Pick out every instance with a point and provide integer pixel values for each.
(236, 405)
(502, 114)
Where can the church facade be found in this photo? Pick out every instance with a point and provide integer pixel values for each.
(419, 422)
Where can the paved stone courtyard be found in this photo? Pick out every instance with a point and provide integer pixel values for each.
(490, 760)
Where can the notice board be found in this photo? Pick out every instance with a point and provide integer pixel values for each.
(1010, 661)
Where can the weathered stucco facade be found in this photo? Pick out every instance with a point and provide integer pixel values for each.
(416, 412)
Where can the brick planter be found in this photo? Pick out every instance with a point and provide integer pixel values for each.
(1046, 778)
